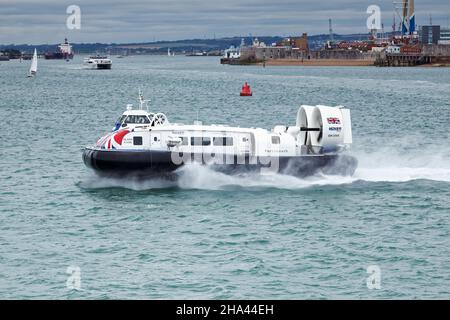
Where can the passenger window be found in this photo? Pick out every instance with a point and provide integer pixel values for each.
(275, 140)
(206, 141)
(129, 119)
(184, 141)
(137, 141)
(137, 119)
(196, 141)
(200, 141)
(120, 120)
(223, 141)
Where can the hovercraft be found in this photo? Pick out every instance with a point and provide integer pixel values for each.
(146, 143)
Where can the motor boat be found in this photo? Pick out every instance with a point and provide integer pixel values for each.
(98, 62)
(146, 143)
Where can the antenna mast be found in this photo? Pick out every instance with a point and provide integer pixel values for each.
(142, 102)
(330, 23)
(393, 26)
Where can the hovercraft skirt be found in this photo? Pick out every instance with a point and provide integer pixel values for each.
(161, 163)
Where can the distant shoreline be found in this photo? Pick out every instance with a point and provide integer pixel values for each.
(331, 63)
(319, 62)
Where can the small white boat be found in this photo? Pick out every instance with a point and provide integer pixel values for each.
(98, 62)
(33, 68)
(146, 143)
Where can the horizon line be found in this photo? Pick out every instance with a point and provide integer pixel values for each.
(190, 39)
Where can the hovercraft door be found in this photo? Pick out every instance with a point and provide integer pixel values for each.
(244, 144)
(155, 141)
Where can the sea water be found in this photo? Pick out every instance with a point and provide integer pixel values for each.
(66, 233)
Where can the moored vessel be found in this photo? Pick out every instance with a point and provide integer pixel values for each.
(64, 52)
(231, 54)
(147, 144)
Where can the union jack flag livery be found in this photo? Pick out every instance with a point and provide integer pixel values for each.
(334, 121)
(112, 140)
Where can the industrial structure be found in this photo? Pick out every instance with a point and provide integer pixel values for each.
(288, 48)
(408, 45)
(408, 16)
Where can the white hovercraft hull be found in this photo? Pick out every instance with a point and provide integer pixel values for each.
(145, 143)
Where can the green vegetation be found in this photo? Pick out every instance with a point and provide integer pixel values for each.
(11, 53)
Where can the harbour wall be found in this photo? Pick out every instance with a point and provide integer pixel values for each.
(422, 55)
(259, 54)
(343, 55)
(256, 54)
(428, 55)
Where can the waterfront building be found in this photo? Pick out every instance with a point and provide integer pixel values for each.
(430, 34)
(444, 37)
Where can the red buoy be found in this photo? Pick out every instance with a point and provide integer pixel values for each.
(246, 91)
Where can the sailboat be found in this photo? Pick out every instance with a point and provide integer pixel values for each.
(33, 68)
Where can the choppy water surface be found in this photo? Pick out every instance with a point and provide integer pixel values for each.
(210, 235)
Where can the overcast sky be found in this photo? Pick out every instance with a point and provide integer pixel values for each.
(44, 21)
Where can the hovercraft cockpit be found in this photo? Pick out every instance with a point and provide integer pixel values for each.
(140, 118)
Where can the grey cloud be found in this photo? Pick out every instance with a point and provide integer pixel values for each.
(43, 21)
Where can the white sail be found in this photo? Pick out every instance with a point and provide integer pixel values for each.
(33, 68)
